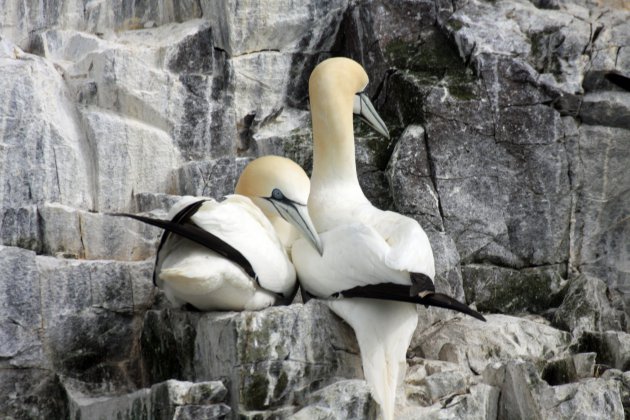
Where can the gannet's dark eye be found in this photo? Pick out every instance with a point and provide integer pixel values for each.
(277, 194)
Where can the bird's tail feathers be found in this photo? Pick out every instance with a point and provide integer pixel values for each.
(384, 332)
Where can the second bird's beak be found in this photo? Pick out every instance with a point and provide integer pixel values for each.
(297, 215)
(365, 110)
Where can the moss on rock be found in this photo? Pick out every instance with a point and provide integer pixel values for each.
(433, 60)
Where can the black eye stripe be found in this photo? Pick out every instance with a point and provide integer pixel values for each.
(278, 196)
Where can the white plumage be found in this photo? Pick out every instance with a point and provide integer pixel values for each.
(191, 273)
(234, 254)
(367, 252)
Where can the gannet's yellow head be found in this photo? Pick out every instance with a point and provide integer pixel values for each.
(280, 188)
(336, 85)
(338, 75)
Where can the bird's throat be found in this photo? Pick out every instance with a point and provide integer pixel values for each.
(333, 149)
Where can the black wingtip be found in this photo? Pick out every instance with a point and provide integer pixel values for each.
(200, 236)
(619, 80)
(444, 301)
(400, 293)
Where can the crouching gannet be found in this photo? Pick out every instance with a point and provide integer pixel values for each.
(232, 255)
(376, 265)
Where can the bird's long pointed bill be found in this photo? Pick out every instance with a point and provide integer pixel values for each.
(298, 216)
(363, 108)
(444, 301)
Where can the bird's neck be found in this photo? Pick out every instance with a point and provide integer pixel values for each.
(334, 164)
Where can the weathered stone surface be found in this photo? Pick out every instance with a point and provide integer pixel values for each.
(247, 28)
(592, 398)
(473, 344)
(60, 230)
(42, 155)
(448, 275)
(272, 358)
(19, 22)
(601, 226)
(606, 108)
(569, 369)
(287, 134)
(372, 154)
(215, 178)
(612, 348)
(525, 395)
(587, 307)
(348, 399)
(20, 312)
(164, 401)
(505, 290)
(67, 317)
(91, 311)
(430, 381)
(410, 181)
(131, 148)
(32, 393)
(479, 402)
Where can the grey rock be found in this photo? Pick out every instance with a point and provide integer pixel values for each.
(272, 358)
(448, 275)
(569, 369)
(478, 402)
(612, 348)
(611, 109)
(62, 231)
(131, 148)
(43, 157)
(505, 290)
(102, 17)
(431, 381)
(215, 178)
(56, 229)
(410, 181)
(348, 399)
(32, 393)
(287, 134)
(584, 364)
(67, 317)
(107, 237)
(484, 206)
(601, 224)
(166, 400)
(587, 307)
(519, 383)
(372, 154)
(525, 395)
(474, 345)
(156, 203)
(21, 227)
(91, 312)
(20, 314)
(592, 398)
(296, 30)
(194, 412)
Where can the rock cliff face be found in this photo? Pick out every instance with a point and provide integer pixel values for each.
(510, 145)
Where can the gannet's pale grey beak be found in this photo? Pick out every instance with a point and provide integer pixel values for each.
(365, 110)
(297, 215)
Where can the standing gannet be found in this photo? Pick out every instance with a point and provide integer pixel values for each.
(368, 254)
(232, 255)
